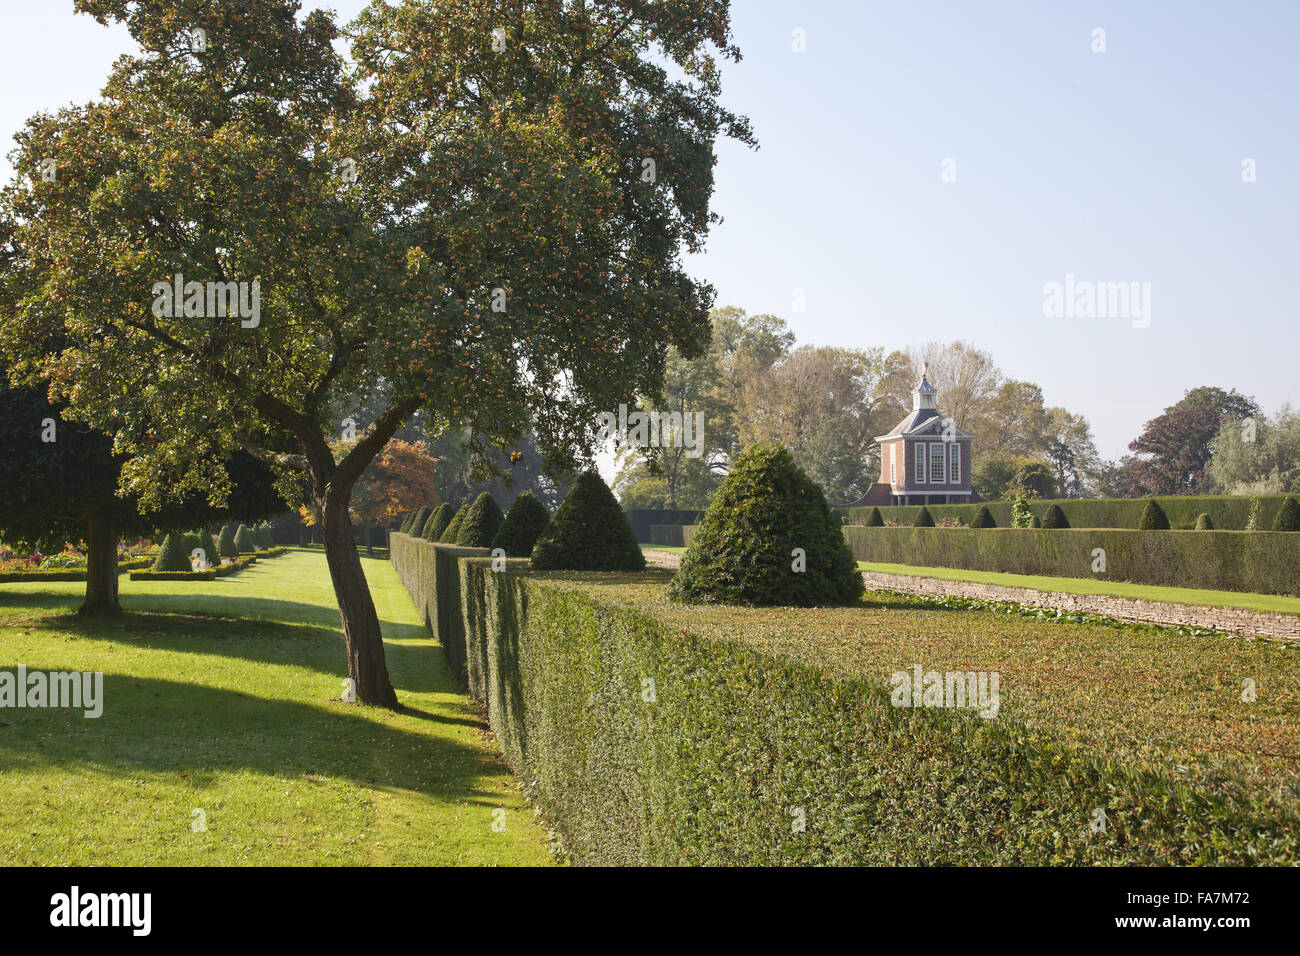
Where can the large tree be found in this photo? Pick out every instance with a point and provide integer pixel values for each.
(483, 216)
(1171, 454)
(59, 484)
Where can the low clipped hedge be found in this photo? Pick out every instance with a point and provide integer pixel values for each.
(643, 743)
(668, 535)
(1228, 512)
(1259, 562)
(237, 564)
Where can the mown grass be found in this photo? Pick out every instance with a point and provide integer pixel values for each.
(1136, 695)
(223, 696)
(1274, 603)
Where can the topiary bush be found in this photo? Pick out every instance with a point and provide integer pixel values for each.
(405, 526)
(588, 533)
(1288, 516)
(172, 556)
(417, 523)
(1153, 517)
(437, 523)
(768, 538)
(1035, 522)
(209, 547)
(450, 532)
(522, 527)
(226, 544)
(244, 542)
(983, 519)
(923, 518)
(1203, 522)
(1054, 517)
(481, 523)
(875, 520)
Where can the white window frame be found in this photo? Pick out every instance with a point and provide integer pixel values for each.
(893, 464)
(954, 464)
(920, 462)
(940, 447)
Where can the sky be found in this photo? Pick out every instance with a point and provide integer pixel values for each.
(925, 170)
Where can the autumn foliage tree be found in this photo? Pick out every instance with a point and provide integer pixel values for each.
(482, 217)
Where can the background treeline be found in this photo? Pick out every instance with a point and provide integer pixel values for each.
(827, 404)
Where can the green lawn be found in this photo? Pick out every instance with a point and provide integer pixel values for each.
(222, 696)
(1146, 592)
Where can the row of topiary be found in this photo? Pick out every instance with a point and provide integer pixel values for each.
(1153, 518)
(178, 551)
(588, 532)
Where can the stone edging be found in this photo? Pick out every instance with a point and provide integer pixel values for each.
(1230, 620)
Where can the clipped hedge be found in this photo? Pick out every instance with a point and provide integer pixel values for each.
(668, 535)
(644, 743)
(1228, 512)
(1252, 561)
(238, 564)
(68, 574)
(430, 572)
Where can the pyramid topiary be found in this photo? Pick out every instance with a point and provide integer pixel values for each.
(768, 538)
(244, 540)
(874, 520)
(172, 556)
(923, 518)
(1203, 522)
(408, 519)
(588, 533)
(450, 532)
(437, 523)
(210, 552)
(1288, 516)
(226, 543)
(417, 523)
(1153, 517)
(1054, 517)
(522, 527)
(983, 518)
(1035, 522)
(481, 523)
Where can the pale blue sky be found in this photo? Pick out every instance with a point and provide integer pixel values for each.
(1114, 166)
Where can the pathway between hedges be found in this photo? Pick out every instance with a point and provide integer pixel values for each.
(1229, 620)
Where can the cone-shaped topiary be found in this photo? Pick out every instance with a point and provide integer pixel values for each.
(983, 518)
(244, 540)
(768, 538)
(449, 533)
(417, 523)
(226, 543)
(209, 547)
(1153, 517)
(522, 527)
(1288, 516)
(923, 518)
(437, 523)
(404, 527)
(874, 520)
(1203, 522)
(172, 556)
(1035, 522)
(268, 539)
(1054, 517)
(481, 523)
(588, 533)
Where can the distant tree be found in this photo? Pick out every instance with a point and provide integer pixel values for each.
(1173, 451)
(992, 476)
(1256, 456)
(1034, 478)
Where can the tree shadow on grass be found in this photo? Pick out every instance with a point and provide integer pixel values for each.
(411, 655)
(171, 728)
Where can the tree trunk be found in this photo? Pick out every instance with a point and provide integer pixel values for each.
(101, 565)
(361, 634)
